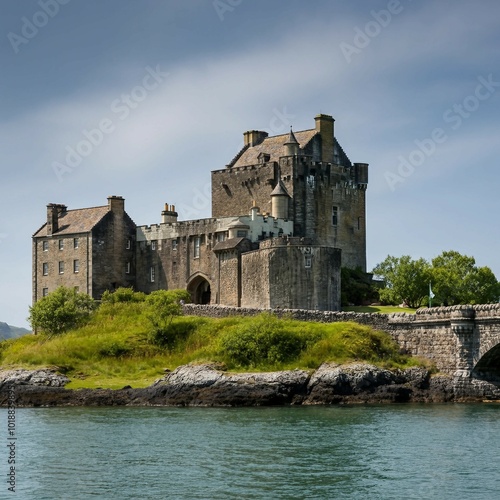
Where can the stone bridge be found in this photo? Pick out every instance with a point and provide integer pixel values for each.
(462, 341)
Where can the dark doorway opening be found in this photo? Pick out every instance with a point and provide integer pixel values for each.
(199, 289)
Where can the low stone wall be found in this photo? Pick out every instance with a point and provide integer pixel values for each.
(454, 338)
(378, 321)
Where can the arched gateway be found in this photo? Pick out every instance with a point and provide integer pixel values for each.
(199, 288)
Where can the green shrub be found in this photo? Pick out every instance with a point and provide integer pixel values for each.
(114, 349)
(122, 294)
(162, 307)
(171, 336)
(61, 310)
(261, 340)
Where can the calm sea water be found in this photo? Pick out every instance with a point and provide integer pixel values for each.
(373, 452)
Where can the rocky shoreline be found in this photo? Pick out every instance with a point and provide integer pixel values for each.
(211, 385)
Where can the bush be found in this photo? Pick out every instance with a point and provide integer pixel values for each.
(61, 311)
(122, 294)
(261, 340)
(163, 306)
(114, 349)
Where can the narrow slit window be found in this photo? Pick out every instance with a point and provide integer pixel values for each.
(335, 216)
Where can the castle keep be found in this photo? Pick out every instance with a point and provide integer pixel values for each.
(287, 212)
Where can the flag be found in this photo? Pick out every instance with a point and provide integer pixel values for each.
(431, 295)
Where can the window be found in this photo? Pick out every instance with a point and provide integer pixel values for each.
(61, 244)
(61, 267)
(45, 268)
(335, 216)
(360, 223)
(153, 245)
(45, 292)
(76, 265)
(241, 234)
(129, 244)
(45, 245)
(76, 242)
(174, 244)
(220, 236)
(197, 242)
(127, 268)
(152, 274)
(308, 261)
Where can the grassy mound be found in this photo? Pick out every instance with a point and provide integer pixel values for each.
(117, 348)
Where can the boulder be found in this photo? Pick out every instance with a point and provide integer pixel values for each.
(209, 385)
(44, 377)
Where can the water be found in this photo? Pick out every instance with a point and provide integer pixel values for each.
(375, 452)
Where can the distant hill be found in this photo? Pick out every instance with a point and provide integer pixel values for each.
(11, 332)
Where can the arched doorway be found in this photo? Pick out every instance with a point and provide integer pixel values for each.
(199, 288)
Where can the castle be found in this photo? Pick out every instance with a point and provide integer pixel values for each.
(287, 212)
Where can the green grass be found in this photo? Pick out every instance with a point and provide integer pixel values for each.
(115, 348)
(379, 309)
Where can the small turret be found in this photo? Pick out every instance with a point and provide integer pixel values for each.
(292, 146)
(279, 201)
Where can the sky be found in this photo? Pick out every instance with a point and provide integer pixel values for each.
(142, 99)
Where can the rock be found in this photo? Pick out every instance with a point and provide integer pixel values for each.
(211, 385)
(332, 382)
(44, 377)
(205, 385)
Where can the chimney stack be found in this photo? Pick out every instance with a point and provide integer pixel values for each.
(54, 210)
(169, 215)
(324, 125)
(254, 137)
(116, 204)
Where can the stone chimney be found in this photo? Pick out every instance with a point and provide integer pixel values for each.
(116, 204)
(324, 125)
(54, 210)
(169, 215)
(254, 137)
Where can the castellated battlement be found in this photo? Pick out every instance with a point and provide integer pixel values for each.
(284, 241)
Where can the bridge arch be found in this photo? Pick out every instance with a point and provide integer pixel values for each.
(489, 364)
(199, 288)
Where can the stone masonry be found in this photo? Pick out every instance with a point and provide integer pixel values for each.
(287, 212)
(461, 341)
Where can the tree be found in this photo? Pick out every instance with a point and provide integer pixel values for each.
(406, 280)
(457, 280)
(163, 306)
(357, 287)
(60, 311)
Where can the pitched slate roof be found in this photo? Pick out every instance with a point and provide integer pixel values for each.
(80, 220)
(274, 146)
(227, 244)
